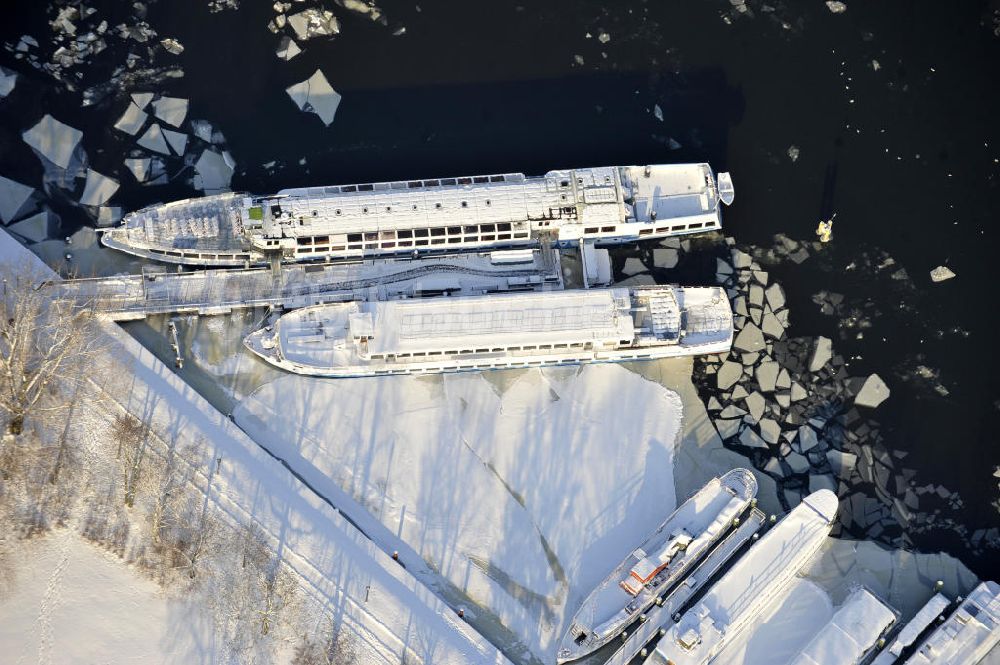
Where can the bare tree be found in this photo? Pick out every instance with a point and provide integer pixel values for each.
(45, 342)
(132, 437)
(334, 647)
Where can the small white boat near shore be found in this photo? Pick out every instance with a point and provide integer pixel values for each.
(497, 331)
(659, 562)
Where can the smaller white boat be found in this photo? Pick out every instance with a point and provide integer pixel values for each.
(659, 562)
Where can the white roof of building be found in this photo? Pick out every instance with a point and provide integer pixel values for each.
(554, 317)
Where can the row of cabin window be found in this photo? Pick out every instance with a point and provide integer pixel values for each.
(366, 209)
(539, 347)
(413, 184)
(675, 227)
(415, 243)
(403, 234)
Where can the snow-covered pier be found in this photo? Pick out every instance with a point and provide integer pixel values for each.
(131, 297)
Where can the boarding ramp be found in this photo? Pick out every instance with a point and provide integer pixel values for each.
(220, 291)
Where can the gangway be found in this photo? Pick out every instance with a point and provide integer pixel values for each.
(220, 291)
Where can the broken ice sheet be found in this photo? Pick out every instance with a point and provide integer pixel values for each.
(316, 95)
(132, 120)
(99, 188)
(142, 99)
(153, 140)
(35, 228)
(177, 140)
(212, 172)
(139, 167)
(54, 140)
(314, 23)
(171, 110)
(287, 49)
(13, 196)
(7, 81)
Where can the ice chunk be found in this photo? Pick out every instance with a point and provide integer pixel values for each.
(153, 140)
(772, 326)
(665, 258)
(177, 140)
(99, 189)
(836, 7)
(807, 438)
(750, 439)
(727, 427)
(287, 49)
(728, 374)
(755, 405)
(212, 172)
(35, 228)
(142, 99)
(13, 197)
(315, 95)
(314, 23)
(769, 430)
(941, 273)
(821, 354)
(132, 120)
(793, 153)
(873, 393)
(604, 38)
(798, 462)
(54, 140)
(658, 112)
(171, 110)
(7, 81)
(750, 339)
(842, 463)
(138, 167)
(108, 215)
(775, 297)
(633, 266)
(172, 45)
(767, 375)
(741, 259)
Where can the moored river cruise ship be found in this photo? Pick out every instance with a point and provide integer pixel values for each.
(430, 335)
(606, 205)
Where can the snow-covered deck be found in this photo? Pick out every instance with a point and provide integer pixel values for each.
(851, 634)
(968, 635)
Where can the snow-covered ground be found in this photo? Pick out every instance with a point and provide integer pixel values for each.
(390, 614)
(70, 601)
(523, 488)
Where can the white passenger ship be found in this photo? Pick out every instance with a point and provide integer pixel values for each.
(604, 204)
(750, 587)
(660, 561)
(494, 331)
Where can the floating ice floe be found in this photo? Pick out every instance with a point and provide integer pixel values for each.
(213, 171)
(633, 266)
(316, 95)
(7, 81)
(139, 167)
(99, 188)
(822, 353)
(171, 110)
(314, 23)
(658, 112)
(35, 228)
(873, 393)
(153, 140)
(941, 273)
(287, 48)
(13, 197)
(604, 38)
(54, 140)
(108, 215)
(793, 153)
(132, 120)
(177, 140)
(172, 46)
(836, 7)
(142, 99)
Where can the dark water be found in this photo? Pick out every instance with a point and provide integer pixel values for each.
(906, 154)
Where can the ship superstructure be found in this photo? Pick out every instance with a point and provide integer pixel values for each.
(448, 334)
(658, 563)
(966, 637)
(611, 204)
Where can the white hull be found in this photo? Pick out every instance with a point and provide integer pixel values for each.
(497, 331)
(608, 609)
(604, 205)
